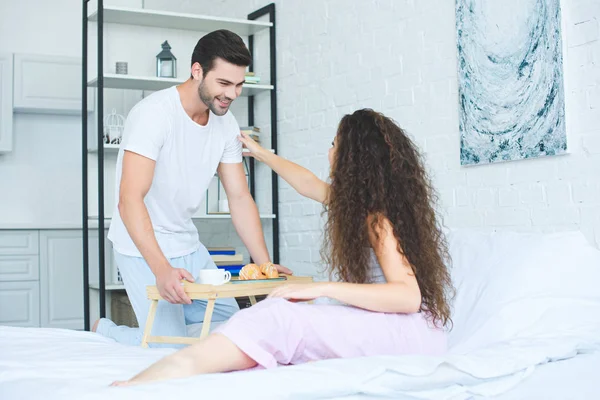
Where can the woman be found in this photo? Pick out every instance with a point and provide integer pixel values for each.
(382, 242)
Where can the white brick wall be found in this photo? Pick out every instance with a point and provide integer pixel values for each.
(399, 56)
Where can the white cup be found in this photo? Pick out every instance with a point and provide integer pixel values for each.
(214, 276)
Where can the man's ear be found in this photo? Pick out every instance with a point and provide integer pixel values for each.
(197, 71)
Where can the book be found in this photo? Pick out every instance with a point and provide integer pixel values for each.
(229, 263)
(252, 79)
(223, 251)
(226, 248)
(233, 269)
(225, 258)
(252, 131)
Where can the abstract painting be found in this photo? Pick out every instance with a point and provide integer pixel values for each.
(510, 80)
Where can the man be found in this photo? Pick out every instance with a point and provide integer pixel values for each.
(173, 143)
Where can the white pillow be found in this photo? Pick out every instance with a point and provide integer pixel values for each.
(513, 286)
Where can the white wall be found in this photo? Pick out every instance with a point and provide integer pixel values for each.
(399, 56)
(40, 181)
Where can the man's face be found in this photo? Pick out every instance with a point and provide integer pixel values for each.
(221, 86)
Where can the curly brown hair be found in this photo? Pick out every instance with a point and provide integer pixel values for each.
(378, 172)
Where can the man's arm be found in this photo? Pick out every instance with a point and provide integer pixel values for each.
(244, 212)
(136, 179)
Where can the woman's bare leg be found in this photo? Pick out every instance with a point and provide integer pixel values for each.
(216, 353)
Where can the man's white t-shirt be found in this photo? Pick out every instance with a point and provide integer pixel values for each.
(187, 156)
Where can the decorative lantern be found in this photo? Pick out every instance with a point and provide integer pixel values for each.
(166, 63)
(113, 127)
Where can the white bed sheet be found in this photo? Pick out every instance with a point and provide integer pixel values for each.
(572, 379)
(62, 364)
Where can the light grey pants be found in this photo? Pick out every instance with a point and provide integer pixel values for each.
(171, 319)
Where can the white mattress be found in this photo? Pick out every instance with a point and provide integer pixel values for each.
(62, 364)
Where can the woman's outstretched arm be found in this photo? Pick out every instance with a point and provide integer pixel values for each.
(400, 293)
(302, 180)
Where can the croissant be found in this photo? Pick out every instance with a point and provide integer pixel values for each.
(251, 271)
(269, 270)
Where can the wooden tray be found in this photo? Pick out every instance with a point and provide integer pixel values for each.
(233, 288)
(237, 281)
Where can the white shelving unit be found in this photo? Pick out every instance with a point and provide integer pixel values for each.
(167, 20)
(115, 148)
(116, 286)
(93, 221)
(130, 82)
(174, 20)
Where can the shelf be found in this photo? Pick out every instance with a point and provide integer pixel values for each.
(228, 216)
(132, 82)
(110, 148)
(181, 21)
(108, 286)
(93, 220)
(93, 223)
(246, 152)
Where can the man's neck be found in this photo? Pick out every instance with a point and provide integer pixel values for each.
(190, 100)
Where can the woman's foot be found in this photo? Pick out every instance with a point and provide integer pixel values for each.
(121, 383)
(216, 353)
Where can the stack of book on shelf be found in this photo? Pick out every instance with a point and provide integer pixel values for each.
(252, 131)
(226, 258)
(251, 78)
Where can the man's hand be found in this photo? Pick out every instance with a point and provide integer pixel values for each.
(283, 270)
(169, 286)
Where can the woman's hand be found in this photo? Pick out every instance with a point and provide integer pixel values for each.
(299, 291)
(256, 150)
(302, 180)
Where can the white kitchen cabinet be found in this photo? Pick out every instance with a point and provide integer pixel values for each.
(61, 279)
(6, 103)
(48, 84)
(41, 277)
(20, 304)
(19, 268)
(19, 278)
(18, 242)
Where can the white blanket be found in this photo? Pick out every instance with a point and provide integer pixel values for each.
(63, 364)
(523, 300)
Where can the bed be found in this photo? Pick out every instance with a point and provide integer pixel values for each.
(526, 326)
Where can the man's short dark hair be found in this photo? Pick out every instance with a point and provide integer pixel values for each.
(222, 44)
